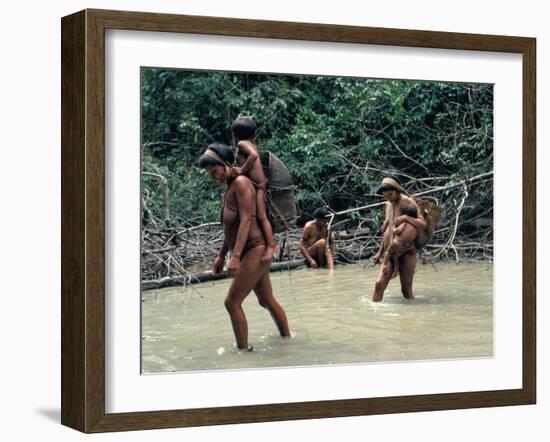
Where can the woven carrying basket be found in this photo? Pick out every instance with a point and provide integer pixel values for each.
(432, 213)
(281, 204)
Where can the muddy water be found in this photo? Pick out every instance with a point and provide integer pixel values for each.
(331, 317)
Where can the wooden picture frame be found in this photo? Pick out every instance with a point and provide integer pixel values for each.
(83, 220)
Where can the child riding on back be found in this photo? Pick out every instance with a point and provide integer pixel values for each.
(249, 164)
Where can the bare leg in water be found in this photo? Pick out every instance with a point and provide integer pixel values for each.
(407, 267)
(264, 292)
(251, 276)
(384, 276)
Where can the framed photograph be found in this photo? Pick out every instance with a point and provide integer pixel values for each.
(228, 187)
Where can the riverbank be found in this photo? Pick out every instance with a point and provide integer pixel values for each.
(205, 276)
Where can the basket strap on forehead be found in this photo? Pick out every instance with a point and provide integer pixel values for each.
(390, 181)
(210, 153)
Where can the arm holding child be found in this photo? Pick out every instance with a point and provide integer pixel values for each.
(419, 222)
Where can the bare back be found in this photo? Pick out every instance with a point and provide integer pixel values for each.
(405, 234)
(256, 172)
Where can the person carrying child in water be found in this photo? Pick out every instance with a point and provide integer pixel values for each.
(403, 240)
(249, 164)
(396, 200)
(244, 239)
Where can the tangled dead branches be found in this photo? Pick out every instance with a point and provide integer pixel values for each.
(465, 231)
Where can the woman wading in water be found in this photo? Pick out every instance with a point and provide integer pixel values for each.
(396, 200)
(245, 240)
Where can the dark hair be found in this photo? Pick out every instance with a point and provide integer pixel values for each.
(385, 187)
(224, 151)
(244, 128)
(321, 213)
(394, 177)
(409, 209)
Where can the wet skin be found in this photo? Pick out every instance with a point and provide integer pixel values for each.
(403, 240)
(313, 244)
(406, 262)
(251, 166)
(244, 238)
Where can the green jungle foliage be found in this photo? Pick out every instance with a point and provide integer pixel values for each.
(337, 136)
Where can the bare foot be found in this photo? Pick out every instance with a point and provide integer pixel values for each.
(268, 254)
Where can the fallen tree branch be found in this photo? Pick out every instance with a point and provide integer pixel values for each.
(171, 281)
(464, 231)
(453, 235)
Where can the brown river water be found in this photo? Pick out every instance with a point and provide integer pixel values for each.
(332, 318)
